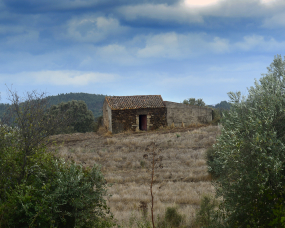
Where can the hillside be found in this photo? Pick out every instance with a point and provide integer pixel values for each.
(94, 101)
(182, 181)
(223, 105)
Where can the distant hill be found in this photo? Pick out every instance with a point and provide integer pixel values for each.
(222, 105)
(94, 101)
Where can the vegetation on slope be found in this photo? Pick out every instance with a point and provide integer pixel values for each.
(94, 102)
(248, 158)
(38, 189)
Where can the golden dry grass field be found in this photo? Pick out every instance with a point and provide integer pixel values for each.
(181, 182)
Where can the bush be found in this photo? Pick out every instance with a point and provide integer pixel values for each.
(193, 101)
(56, 194)
(98, 123)
(82, 118)
(249, 156)
(38, 190)
(207, 214)
(171, 218)
(211, 157)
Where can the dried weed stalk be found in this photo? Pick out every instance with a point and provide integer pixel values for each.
(156, 162)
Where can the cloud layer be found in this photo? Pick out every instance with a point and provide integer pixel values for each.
(133, 45)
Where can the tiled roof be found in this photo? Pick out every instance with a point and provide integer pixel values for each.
(135, 102)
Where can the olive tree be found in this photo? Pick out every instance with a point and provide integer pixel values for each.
(82, 118)
(193, 101)
(249, 156)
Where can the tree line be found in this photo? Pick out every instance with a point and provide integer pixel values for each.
(94, 102)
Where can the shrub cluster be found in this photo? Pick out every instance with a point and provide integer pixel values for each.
(37, 189)
(248, 159)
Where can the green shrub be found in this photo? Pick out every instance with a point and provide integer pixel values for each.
(207, 214)
(211, 157)
(193, 101)
(57, 194)
(82, 119)
(171, 218)
(51, 193)
(249, 156)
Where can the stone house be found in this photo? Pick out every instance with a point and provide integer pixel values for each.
(121, 113)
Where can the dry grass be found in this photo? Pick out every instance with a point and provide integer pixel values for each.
(182, 181)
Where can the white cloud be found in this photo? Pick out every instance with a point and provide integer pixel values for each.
(276, 21)
(268, 1)
(259, 43)
(61, 78)
(117, 53)
(194, 11)
(176, 46)
(93, 29)
(201, 2)
(162, 12)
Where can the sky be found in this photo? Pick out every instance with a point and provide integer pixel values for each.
(178, 49)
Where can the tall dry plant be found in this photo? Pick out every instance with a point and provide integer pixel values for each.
(155, 163)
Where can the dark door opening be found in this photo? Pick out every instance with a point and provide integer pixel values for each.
(143, 122)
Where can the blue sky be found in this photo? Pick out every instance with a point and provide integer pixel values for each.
(176, 48)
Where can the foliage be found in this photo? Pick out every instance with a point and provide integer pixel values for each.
(29, 117)
(172, 217)
(94, 102)
(217, 115)
(56, 194)
(249, 158)
(3, 108)
(82, 119)
(207, 214)
(98, 123)
(193, 101)
(38, 190)
(211, 158)
(219, 110)
(223, 105)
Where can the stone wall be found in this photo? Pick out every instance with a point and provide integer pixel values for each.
(107, 116)
(188, 114)
(128, 119)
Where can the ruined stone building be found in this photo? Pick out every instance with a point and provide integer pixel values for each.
(134, 113)
(122, 113)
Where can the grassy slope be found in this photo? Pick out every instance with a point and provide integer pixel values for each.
(182, 181)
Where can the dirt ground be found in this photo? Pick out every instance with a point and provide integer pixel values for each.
(181, 182)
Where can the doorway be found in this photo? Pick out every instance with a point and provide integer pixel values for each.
(143, 122)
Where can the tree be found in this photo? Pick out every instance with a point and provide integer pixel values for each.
(249, 156)
(36, 188)
(30, 116)
(82, 117)
(193, 101)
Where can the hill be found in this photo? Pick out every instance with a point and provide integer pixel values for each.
(181, 182)
(94, 101)
(223, 105)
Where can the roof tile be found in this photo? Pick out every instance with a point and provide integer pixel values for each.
(135, 102)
